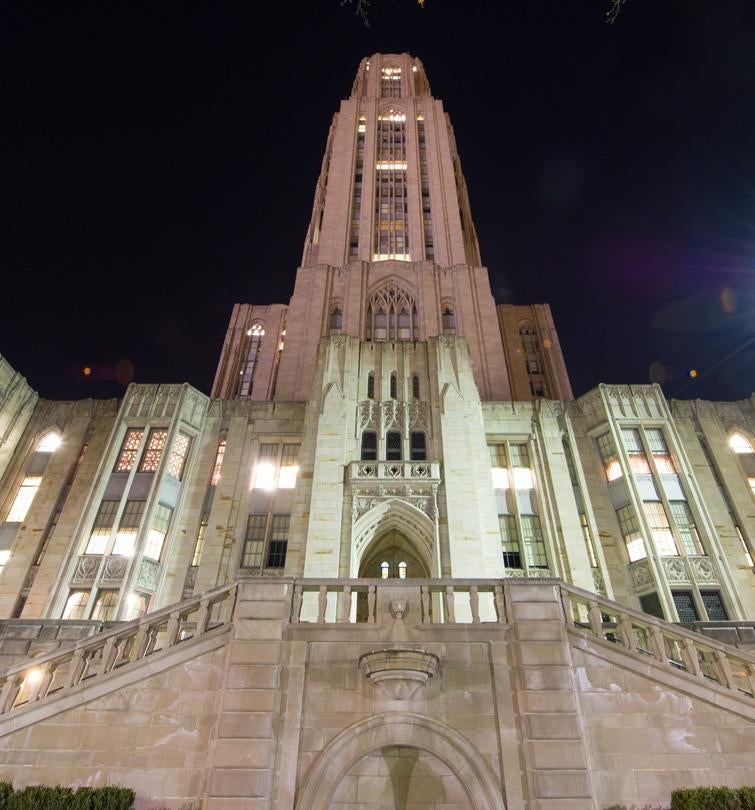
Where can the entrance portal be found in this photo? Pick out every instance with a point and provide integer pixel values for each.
(392, 556)
(400, 778)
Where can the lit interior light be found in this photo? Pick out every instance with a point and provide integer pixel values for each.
(362, 128)
(388, 165)
(49, 443)
(34, 676)
(131, 600)
(613, 470)
(523, 478)
(739, 444)
(264, 476)
(500, 478)
(4, 556)
(249, 332)
(288, 476)
(124, 543)
(414, 68)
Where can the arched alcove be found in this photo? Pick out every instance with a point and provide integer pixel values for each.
(413, 732)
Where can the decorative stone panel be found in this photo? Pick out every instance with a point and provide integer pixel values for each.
(86, 569)
(703, 570)
(641, 574)
(148, 574)
(675, 569)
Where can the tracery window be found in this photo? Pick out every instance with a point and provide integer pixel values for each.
(390, 82)
(254, 335)
(129, 449)
(392, 315)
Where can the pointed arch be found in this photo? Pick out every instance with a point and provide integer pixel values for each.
(49, 441)
(403, 729)
(392, 313)
(394, 515)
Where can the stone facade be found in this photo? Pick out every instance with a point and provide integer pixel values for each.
(453, 578)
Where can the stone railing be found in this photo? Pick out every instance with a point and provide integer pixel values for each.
(376, 601)
(668, 644)
(127, 643)
(394, 470)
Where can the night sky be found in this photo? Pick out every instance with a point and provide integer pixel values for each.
(159, 163)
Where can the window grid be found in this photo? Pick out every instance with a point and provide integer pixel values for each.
(254, 334)
(630, 531)
(215, 479)
(714, 606)
(512, 557)
(685, 525)
(153, 453)
(390, 82)
(178, 453)
(427, 223)
(254, 541)
(393, 446)
(532, 538)
(76, 605)
(276, 554)
(610, 457)
(24, 497)
(153, 548)
(391, 240)
(129, 450)
(661, 529)
(418, 446)
(105, 606)
(356, 203)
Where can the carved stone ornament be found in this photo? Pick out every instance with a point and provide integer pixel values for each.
(641, 575)
(398, 608)
(398, 672)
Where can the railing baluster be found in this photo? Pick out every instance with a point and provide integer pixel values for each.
(626, 632)
(724, 669)
(346, 604)
(203, 616)
(595, 618)
(500, 609)
(371, 595)
(449, 604)
(474, 604)
(296, 604)
(691, 658)
(174, 625)
(567, 607)
(425, 600)
(322, 604)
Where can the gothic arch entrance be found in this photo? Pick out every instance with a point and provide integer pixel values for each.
(390, 556)
(412, 735)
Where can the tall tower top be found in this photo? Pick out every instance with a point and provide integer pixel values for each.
(390, 75)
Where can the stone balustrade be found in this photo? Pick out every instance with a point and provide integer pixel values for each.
(127, 643)
(437, 601)
(668, 644)
(394, 470)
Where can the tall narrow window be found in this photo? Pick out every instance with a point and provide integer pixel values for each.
(156, 536)
(448, 319)
(415, 386)
(427, 223)
(335, 323)
(390, 82)
(391, 239)
(512, 557)
(610, 457)
(393, 446)
(128, 528)
(369, 446)
(630, 531)
(102, 528)
(532, 358)
(418, 446)
(105, 606)
(370, 386)
(76, 605)
(254, 541)
(254, 337)
(178, 453)
(393, 386)
(129, 449)
(392, 315)
(276, 553)
(153, 452)
(356, 202)
(25, 495)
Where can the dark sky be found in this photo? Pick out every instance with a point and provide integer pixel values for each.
(159, 162)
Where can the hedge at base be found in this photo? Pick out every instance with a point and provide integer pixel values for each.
(40, 797)
(714, 798)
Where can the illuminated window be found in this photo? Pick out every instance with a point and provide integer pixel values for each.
(500, 478)
(49, 442)
(658, 448)
(218, 464)
(630, 531)
(740, 444)
(289, 466)
(4, 557)
(25, 495)
(105, 606)
(156, 536)
(76, 605)
(520, 461)
(178, 453)
(390, 82)
(391, 237)
(128, 528)
(532, 539)
(154, 451)
(264, 470)
(424, 178)
(384, 570)
(356, 204)
(276, 552)
(129, 449)
(638, 462)
(685, 525)
(660, 528)
(138, 604)
(512, 557)
(607, 450)
(402, 570)
(102, 528)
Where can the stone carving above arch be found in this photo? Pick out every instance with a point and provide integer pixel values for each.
(402, 729)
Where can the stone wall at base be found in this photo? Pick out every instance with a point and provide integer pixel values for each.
(514, 707)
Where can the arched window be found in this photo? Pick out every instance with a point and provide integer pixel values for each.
(370, 386)
(254, 336)
(740, 444)
(393, 446)
(369, 446)
(392, 315)
(385, 569)
(418, 446)
(448, 319)
(402, 570)
(393, 386)
(335, 323)
(49, 443)
(415, 386)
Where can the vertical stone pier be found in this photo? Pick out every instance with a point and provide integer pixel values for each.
(242, 755)
(554, 749)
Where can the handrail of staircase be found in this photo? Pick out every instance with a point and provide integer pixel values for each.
(670, 645)
(95, 656)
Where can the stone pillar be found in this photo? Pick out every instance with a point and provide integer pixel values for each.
(243, 751)
(555, 755)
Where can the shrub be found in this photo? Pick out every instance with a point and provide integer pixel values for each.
(42, 797)
(747, 798)
(714, 798)
(6, 791)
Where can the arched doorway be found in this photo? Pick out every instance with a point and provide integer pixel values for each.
(397, 777)
(390, 556)
(415, 735)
